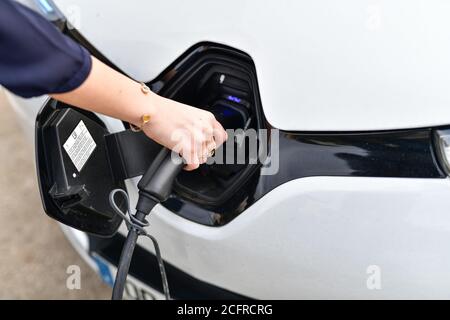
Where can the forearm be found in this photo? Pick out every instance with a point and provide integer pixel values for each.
(192, 132)
(109, 92)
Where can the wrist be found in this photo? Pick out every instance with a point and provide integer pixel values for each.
(145, 108)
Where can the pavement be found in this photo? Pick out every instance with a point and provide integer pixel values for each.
(34, 254)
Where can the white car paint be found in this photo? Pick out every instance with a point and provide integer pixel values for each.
(315, 238)
(322, 65)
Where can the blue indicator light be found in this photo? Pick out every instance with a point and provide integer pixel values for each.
(234, 99)
(46, 6)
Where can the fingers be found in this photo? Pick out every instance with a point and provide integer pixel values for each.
(208, 131)
(219, 133)
(191, 167)
(192, 160)
(208, 151)
(199, 155)
(207, 136)
(193, 150)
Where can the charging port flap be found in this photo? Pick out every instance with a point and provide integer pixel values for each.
(74, 170)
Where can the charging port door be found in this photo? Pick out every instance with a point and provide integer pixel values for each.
(74, 171)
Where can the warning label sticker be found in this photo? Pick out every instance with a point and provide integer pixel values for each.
(80, 146)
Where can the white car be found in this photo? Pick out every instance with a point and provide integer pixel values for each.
(359, 206)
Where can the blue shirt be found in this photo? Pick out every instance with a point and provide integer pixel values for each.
(35, 57)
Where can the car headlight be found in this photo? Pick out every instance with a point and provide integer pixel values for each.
(47, 8)
(443, 146)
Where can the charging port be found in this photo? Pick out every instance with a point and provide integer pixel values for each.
(223, 81)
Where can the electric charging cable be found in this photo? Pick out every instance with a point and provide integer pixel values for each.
(139, 229)
(154, 188)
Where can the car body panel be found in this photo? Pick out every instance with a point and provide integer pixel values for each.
(352, 65)
(317, 238)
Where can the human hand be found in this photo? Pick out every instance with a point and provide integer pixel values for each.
(193, 133)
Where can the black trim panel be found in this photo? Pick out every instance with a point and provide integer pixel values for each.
(396, 154)
(144, 267)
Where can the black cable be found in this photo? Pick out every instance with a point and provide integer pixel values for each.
(136, 227)
(124, 264)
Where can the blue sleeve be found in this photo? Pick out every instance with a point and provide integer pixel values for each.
(35, 57)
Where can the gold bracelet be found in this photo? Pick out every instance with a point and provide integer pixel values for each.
(144, 118)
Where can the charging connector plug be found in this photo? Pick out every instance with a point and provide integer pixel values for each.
(154, 188)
